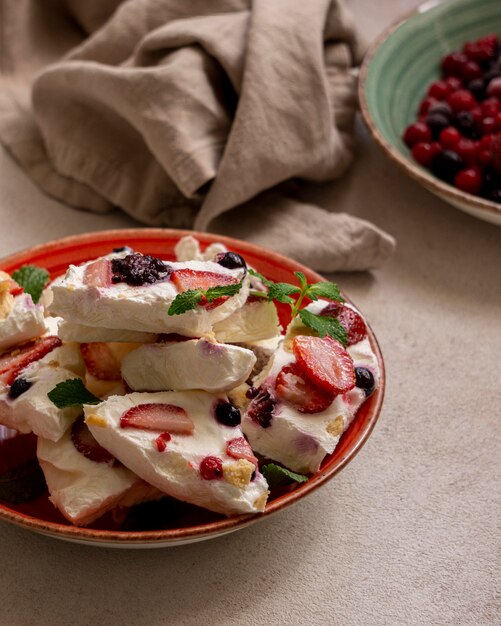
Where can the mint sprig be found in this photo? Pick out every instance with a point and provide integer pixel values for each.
(278, 476)
(71, 392)
(32, 279)
(283, 292)
(187, 300)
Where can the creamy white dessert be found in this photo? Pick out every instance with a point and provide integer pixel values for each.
(32, 411)
(182, 468)
(67, 331)
(83, 489)
(85, 295)
(193, 364)
(301, 440)
(20, 318)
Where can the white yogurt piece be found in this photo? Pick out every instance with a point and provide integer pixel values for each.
(25, 321)
(32, 411)
(301, 441)
(194, 364)
(83, 489)
(175, 471)
(67, 331)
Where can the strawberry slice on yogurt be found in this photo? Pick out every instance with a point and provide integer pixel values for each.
(308, 395)
(195, 466)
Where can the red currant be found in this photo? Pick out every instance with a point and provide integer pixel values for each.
(449, 137)
(469, 180)
(461, 100)
(417, 132)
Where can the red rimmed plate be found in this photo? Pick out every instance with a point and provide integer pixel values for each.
(189, 524)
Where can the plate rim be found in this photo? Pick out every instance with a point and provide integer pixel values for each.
(167, 537)
(430, 182)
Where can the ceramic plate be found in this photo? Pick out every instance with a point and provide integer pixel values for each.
(187, 523)
(397, 71)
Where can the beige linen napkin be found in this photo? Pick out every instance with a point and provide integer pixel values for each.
(186, 114)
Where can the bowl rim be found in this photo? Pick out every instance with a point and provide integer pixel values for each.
(405, 162)
(226, 525)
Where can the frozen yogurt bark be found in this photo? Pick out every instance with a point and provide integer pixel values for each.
(187, 444)
(20, 319)
(85, 481)
(309, 393)
(192, 364)
(130, 291)
(24, 404)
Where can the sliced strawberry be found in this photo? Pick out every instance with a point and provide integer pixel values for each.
(186, 278)
(17, 359)
(98, 273)
(239, 448)
(349, 319)
(294, 388)
(325, 362)
(100, 361)
(215, 303)
(167, 417)
(84, 442)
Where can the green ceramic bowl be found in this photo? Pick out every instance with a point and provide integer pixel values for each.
(397, 71)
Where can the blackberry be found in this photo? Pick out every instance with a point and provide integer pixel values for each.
(138, 269)
(261, 409)
(19, 386)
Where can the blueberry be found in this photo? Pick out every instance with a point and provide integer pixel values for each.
(477, 88)
(465, 123)
(228, 414)
(364, 380)
(436, 122)
(19, 386)
(446, 165)
(442, 108)
(231, 260)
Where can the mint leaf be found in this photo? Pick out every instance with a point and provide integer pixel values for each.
(185, 301)
(324, 325)
(22, 483)
(264, 280)
(324, 290)
(32, 279)
(71, 392)
(302, 279)
(277, 476)
(282, 292)
(222, 290)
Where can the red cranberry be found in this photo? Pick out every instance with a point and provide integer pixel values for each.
(469, 180)
(439, 90)
(488, 125)
(415, 133)
(211, 468)
(467, 150)
(484, 157)
(471, 70)
(494, 88)
(454, 83)
(425, 105)
(449, 137)
(461, 100)
(453, 63)
(490, 107)
(423, 153)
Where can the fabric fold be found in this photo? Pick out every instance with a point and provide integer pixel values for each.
(191, 114)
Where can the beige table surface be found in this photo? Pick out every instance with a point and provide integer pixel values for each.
(409, 532)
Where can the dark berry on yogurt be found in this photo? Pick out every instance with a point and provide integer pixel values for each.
(227, 414)
(138, 269)
(231, 260)
(364, 379)
(261, 408)
(18, 387)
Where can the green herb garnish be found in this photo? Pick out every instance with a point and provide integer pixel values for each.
(278, 476)
(32, 279)
(71, 392)
(189, 299)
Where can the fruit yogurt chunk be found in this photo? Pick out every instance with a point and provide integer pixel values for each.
(67, 331)
(309, 393)
(125, 291)
(192, 364)
(24, 404)
(84, 480)
(187, 444)
(20, 318)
